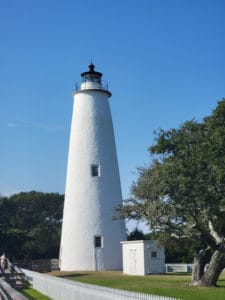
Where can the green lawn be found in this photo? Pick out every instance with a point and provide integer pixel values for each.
(33, 294)
(174, 285)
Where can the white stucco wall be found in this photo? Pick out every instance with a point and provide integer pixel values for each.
(154, 265)
(90, 201)
(138, 260)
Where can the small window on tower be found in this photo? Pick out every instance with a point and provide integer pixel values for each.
(154, 254)
(98, 241)
(95, 171)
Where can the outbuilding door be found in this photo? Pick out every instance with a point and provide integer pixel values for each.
(132, 261)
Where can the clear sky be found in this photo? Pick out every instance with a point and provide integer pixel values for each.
(164, 61)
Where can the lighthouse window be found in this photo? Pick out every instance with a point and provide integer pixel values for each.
(98, 241)
(154, 254)
(95, 171)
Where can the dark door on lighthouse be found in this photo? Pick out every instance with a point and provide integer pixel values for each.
(98, 252)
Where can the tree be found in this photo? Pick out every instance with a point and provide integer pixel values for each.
(30, 225)
(182, 192)
(177, 250)
(135, 235)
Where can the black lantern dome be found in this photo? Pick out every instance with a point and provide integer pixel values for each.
(91, 75)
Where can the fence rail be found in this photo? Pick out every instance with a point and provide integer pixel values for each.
(171, 268)
(7, 292)
(61, 289)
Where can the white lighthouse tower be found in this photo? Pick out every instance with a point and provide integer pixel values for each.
(90, 238)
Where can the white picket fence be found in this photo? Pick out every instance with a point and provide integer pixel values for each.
(63, 289)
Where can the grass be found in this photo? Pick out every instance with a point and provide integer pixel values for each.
(33, 294)
(174, 285)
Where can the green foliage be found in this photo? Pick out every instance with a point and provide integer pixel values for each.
(135, 235)
(181, 250)
(30, 225)
(182, 192)
(176, 250)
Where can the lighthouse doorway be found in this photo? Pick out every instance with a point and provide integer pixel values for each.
(98, 245)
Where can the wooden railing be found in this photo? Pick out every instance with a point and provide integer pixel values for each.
(11, 278)
(9, 293)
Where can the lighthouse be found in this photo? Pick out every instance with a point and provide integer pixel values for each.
(90, 238)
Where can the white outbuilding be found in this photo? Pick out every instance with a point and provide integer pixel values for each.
(143, 257)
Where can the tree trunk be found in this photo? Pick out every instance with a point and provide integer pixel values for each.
(216, 266)
(199, 265)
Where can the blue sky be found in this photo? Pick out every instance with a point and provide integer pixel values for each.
(164, 61)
